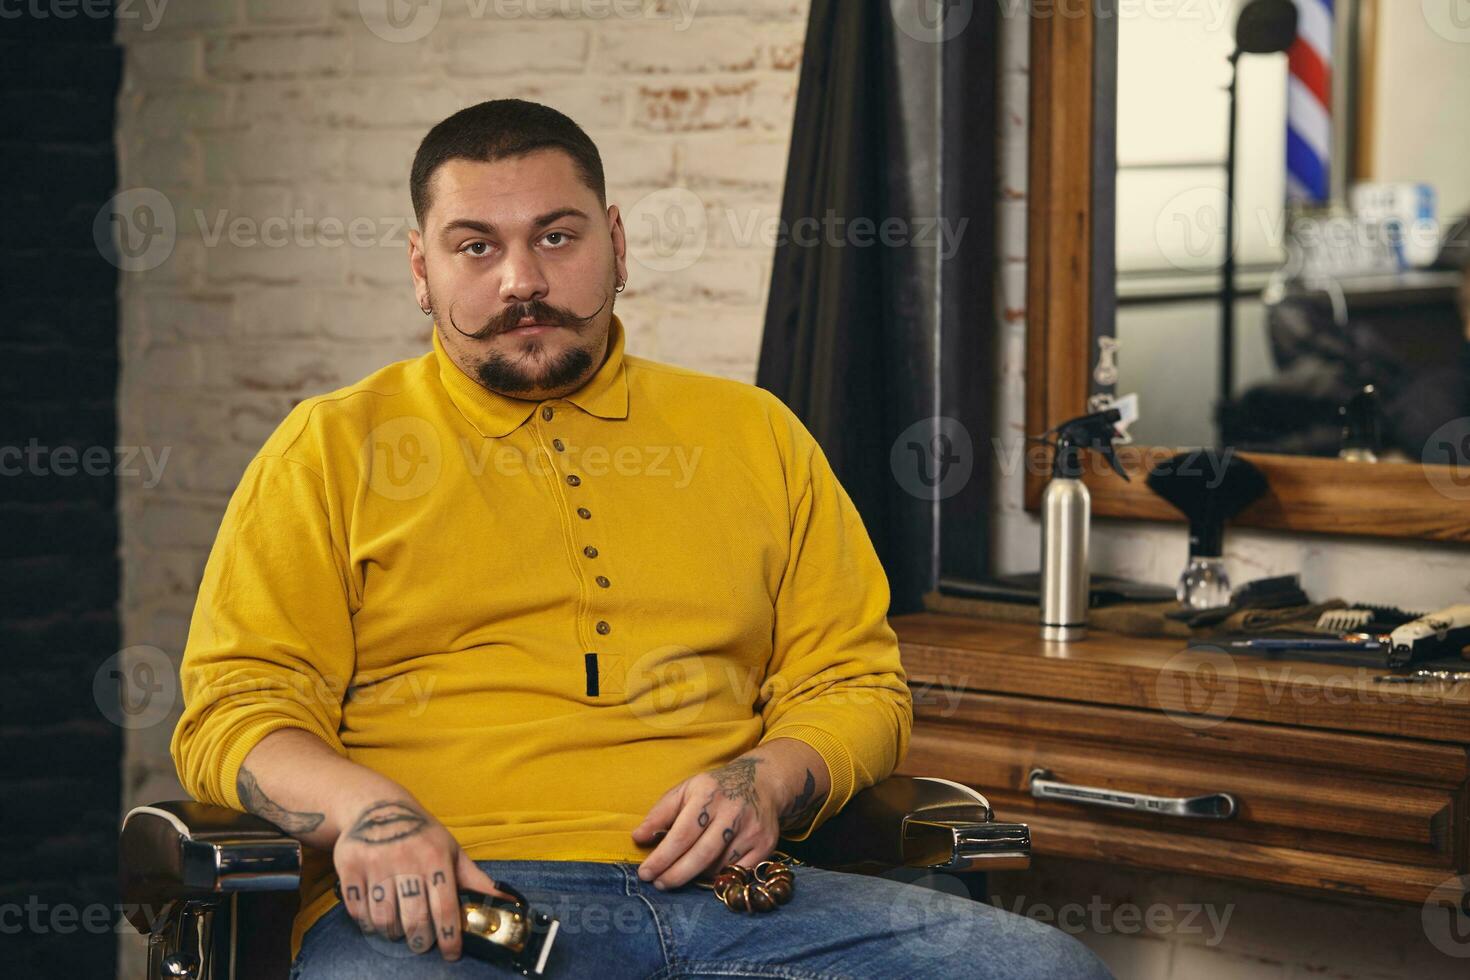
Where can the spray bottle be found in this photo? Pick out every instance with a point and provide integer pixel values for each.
(1066, 516)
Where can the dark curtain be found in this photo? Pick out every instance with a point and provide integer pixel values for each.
(854, 337)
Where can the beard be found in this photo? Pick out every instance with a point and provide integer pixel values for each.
(511, 375)
(531, 368)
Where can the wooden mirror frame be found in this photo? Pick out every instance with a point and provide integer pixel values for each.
(1063, 293)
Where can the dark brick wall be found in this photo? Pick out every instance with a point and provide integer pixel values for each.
(59, 577)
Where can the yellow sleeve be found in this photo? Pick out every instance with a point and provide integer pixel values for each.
(835, 680)
(270, 642)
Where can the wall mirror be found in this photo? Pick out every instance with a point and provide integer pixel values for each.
(1338, 361)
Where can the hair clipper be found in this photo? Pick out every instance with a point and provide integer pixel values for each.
(500, 930)
(1438, 634)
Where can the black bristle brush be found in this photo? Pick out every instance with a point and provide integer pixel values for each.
(1209, 487)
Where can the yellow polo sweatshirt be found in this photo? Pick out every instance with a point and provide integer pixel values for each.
(540, 616)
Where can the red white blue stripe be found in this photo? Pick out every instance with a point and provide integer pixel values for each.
(1309, 105)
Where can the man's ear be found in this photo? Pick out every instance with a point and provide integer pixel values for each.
(417, 268)
(619, 241)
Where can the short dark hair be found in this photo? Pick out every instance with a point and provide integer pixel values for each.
(497, 130)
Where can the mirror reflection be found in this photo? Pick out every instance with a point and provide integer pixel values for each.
(1340, 323)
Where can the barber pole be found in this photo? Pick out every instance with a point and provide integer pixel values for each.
(1309, 105)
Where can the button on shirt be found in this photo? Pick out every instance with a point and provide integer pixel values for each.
(540, 616)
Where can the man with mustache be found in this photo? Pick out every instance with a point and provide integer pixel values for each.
(624, 680)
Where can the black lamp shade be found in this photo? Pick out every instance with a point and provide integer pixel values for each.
(1266, 27)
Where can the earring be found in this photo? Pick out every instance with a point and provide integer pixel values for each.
(620, 286)
(425, 310)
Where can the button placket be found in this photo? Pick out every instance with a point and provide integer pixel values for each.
(590, 552)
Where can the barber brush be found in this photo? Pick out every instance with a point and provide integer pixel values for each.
(1208, 487)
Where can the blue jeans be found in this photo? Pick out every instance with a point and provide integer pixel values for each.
(615, 926)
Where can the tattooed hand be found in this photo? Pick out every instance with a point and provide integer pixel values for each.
(735, 813)
(400, 872)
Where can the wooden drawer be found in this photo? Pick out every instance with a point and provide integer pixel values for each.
(1360, 814)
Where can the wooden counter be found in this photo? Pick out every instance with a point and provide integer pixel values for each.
(1339, 784)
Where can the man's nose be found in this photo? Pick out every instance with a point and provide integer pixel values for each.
(521, 277)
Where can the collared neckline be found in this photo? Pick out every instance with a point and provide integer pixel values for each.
(605, 394)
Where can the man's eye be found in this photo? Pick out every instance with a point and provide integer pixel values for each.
(473, 246)
(556, 234)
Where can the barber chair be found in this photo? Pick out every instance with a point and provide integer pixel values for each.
(215, 890)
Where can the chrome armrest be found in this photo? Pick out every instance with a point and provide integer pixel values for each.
(916, 822)
(180, 850)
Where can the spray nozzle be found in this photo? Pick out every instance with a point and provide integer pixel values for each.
(1097, 431)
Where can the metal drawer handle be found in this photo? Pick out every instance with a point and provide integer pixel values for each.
(1215, 806)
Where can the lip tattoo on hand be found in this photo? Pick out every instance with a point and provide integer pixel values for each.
(385, 822)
